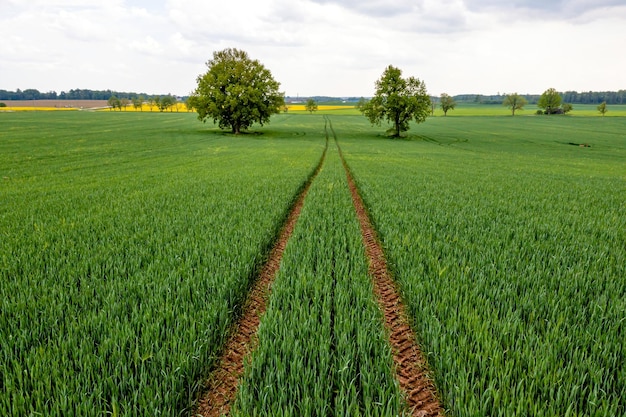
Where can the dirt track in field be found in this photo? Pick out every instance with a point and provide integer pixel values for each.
(411, 367)
(222, 385)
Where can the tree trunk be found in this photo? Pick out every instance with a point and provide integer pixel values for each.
(397, 127)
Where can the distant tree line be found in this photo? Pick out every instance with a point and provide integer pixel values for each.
(573, 97)
(77, 94)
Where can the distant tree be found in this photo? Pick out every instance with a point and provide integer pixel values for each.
(3, 104)
(601, 108)
(153, 102)
(123, 103)
(433, 105)
(447, 103)
(114, 103)
(397, 100)
(550, 101)
(236, 91)
(514, 102)
(360, 104)
(567, 107)
(138, 102)
(188, 104)
(310, 106)
(165, 102)
(173, 103)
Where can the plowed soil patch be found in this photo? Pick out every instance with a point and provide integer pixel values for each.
(222, 385)
(409, 361)
(78, 104)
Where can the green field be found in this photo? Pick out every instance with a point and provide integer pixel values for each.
(128, 243)
(472, 109)
(509, 245)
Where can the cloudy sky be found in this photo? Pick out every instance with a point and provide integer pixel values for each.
(316, 47)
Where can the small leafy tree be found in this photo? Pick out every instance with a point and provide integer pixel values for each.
(165, 102)
(397, 100)
(514, 102)
(188, 105)
(123, 103)
(138, 102)
(567, 107)
(310, 106)
(114, 103)
(361, 104)
(447, 103)
(602, 108)
(152, 102)
(3, 104)
(236, 91)
(550, 101)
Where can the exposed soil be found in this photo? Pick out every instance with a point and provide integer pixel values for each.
(77, 104)
(411, 367)
(222, 384)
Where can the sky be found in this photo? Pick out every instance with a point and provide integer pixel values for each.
(316, 47)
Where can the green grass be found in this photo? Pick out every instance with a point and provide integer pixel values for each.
(471, 109)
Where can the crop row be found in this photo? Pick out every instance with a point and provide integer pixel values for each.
(125, 256)
(322, 348)
(513, 265)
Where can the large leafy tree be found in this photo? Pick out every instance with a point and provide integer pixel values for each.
(397, 100)
(236, 91)
(514, 102)
(550, 101)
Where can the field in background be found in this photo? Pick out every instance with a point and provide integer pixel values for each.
(129, 239)
(470, 109)
(462, 109)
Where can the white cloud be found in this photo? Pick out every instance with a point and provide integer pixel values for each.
(331, 47)
(148, 45)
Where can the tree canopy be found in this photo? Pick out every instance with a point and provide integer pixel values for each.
(550, 101)
(397, 100)
(447, 103)
(311, 105)
(514, 102)
(236, 91)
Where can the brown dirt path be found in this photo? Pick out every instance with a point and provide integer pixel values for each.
(411, 367)
(221, 387)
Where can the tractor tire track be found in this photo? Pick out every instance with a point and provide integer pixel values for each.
(221, 386)
(411, 366)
